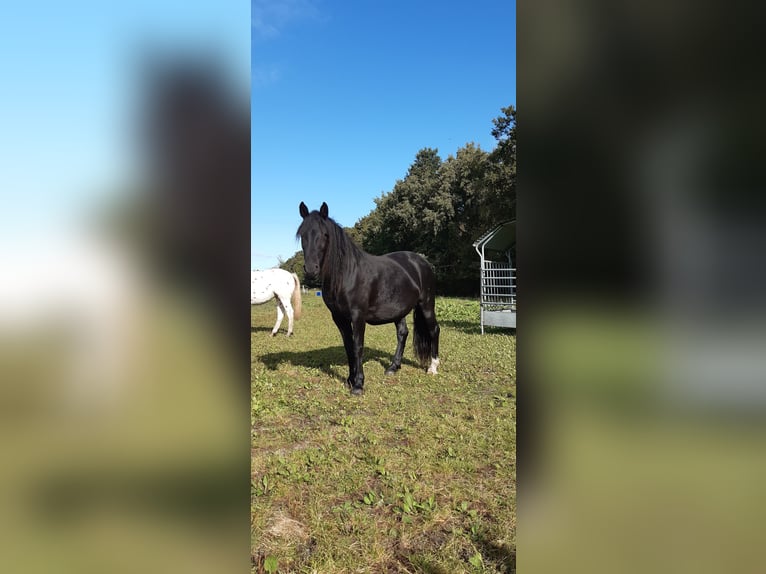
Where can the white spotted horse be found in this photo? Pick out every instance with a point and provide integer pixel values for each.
(282, 285)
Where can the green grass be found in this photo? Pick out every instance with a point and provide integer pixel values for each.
(416, 475)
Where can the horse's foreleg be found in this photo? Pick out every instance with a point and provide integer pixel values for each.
(358, 327)
(401, 341)
(344, 326)
(280, 314)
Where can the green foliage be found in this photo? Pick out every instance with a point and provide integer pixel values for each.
(372, 499)
(505, 134)
(441, 207)
(457, 310)
(476, 561)
(408, 504)
(262, 487)
(270, 564)
(501, 176)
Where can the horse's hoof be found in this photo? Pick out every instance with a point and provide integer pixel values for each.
(273, 335)
(357, 391)
(390, 371)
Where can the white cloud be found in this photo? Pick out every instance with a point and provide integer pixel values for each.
(265, 76)
(270, 17)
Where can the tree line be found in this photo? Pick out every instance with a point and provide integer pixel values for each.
(441, 207)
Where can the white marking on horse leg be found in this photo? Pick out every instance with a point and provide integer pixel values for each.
(432, 368)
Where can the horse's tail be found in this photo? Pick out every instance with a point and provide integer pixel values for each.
(422, 341)
(296, 301)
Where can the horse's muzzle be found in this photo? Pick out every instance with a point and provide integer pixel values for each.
(311, 272)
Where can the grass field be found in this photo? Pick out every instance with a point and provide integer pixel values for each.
(416, 475)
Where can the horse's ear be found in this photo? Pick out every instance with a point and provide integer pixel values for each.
(323, 210)
(304, 210)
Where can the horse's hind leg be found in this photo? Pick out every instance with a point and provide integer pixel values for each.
(401, 340)
(287, 309)
(429, 315)
(280, 314)
(290, 317)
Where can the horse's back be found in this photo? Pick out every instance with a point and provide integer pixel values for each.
(271, 276)
(264, 285)
(416, 266)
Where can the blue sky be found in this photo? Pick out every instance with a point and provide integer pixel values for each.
(344, 94)
(69, 90)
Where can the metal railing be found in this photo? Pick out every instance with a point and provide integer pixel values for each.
(498, 286)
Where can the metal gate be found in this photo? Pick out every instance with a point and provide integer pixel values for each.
(498, 277)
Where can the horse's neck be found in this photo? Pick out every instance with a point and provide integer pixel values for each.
(332, 282)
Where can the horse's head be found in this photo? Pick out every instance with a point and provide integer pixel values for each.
(315, 238)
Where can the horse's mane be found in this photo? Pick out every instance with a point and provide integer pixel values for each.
(342, 256)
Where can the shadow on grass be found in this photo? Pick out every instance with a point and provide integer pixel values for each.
(501, 554)
(422, 564)
(260, 329)
(331, 360)
(282, 330)
(474, 327)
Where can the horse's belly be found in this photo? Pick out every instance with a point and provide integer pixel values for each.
(380, 320)
(387, 314)
(257, 300)
(264, 288)
(259, 295)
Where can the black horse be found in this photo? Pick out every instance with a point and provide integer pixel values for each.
(360, 288)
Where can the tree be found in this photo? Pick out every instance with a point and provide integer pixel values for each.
(464, 187)
(502, 176)
(441, 207)
(398, 221)
(505, 134)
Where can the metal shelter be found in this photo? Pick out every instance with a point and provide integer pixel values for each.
(498, 276)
